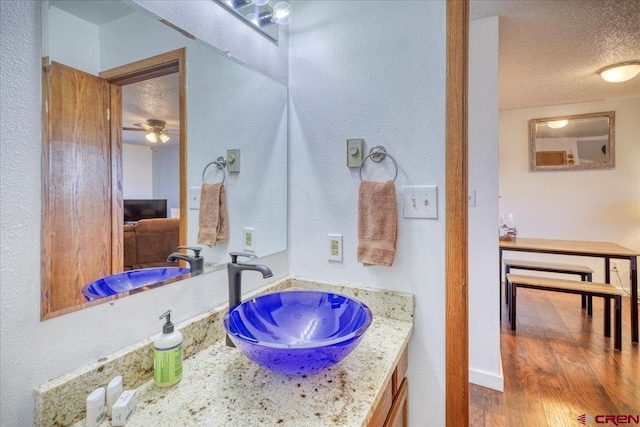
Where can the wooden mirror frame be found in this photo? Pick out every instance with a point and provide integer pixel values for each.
(561, 159)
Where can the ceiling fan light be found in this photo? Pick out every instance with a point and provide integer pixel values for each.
(164, 137)
(152, 137)
(620, 72)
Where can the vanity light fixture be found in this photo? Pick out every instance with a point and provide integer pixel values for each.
(557, 124)
(620, 72)
(260, 14)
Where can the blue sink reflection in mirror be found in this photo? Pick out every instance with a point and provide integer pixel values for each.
(131, 280)
(297, 332)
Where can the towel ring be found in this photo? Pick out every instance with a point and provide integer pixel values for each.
(378, 154)
(221, 163)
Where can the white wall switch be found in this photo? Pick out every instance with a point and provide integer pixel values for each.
(335, 247)
(472, 198)
(194, 197)
(420, 201)
(249, 239)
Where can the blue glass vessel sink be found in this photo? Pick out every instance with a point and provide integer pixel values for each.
(130, 280)
(297, 332)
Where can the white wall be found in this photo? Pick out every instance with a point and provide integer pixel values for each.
(72, 41)
(214, 25)
(599, 204)
(485, 366)
(166, 175)
(229, 105)
(137, 172)
(35, 351)
(135, 37)
(368, 69)
(232, 107)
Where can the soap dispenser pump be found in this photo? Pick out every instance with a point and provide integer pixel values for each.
(167, 354)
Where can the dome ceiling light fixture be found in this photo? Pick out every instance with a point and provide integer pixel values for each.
(620, 72)
(557, 124)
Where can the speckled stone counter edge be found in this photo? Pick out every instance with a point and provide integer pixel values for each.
(61, 401)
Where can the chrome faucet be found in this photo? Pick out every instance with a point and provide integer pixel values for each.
(235, 269)
(196, 262)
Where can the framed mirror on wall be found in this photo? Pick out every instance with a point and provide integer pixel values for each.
(582, 141)
(144, 139)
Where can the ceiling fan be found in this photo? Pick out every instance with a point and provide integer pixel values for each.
(154, 128)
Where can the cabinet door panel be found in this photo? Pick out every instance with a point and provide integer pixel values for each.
(382, 409)
(398, 413)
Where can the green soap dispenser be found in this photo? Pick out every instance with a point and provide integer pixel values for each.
(167, 354)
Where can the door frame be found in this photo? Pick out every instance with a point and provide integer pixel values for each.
(149, 68)
(456, 228)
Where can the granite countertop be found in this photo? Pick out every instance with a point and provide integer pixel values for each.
(221, 387)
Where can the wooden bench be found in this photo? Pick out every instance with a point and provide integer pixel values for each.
(585, 273)
(604, 290)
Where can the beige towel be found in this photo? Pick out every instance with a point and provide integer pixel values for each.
(214, 222)
(377, 223)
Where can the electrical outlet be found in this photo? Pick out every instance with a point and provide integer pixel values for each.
(615, 265)
(194, 197)
(335, 247)
(249, 239)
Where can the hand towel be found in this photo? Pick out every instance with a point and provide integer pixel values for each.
(377, 223)
(213, 221)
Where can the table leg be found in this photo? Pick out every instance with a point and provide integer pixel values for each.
(634, 298)
(607, 316)
(512, 305)
(590, 298)
(500, 282)
(618, 331)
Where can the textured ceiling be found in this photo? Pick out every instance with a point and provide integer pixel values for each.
(551, 50)
(151, 99)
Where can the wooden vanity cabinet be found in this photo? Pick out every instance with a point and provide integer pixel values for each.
(392, 408)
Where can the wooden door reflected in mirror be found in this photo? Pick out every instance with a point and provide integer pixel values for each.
(82, 174)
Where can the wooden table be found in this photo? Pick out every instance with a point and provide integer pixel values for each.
(606, 250)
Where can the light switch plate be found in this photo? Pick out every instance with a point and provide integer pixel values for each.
(472, 198)
(233, 160)
(354, 152)
(194, 198)
(420, 201)
(249, 239)
(335, 247)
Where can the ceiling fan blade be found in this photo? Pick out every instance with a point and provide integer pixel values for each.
(144, 126)
(135, 129)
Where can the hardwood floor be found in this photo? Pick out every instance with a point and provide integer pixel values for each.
(558, 365)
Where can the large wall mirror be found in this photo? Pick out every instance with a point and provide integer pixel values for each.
(584, 141)
(134, 109)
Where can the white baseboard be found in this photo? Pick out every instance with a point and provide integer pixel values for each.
(486, 379)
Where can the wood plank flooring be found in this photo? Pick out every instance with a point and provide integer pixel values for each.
(558, 365)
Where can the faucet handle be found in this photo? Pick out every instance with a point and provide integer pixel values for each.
(196, 249)
(235, 255)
